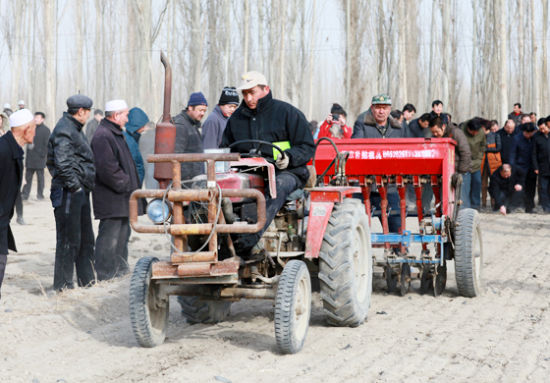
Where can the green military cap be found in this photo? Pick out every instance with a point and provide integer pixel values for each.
(381, 99)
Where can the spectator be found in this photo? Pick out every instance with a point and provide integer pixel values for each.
(35, 161)
(408, 112)
(541, 163)
(507, 140)
(137, 122)
(516, 114)
(376, 122)
(116, 178)
(188, 135)
(397, 115)
(71, 165)
(525, 119)
(420, 127)
(522, 161)
(21, 104)
(505, 189)
(11, 173)
(7, 111)
(533, 117)
(334, 125)
(92, 125)
(437, 111)
(491, 159)
(463, 156)
(213, 127)
(471, 182)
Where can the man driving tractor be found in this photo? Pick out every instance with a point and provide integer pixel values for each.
(261, 117)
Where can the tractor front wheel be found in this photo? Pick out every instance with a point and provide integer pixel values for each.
(148, 309)
(292, 307)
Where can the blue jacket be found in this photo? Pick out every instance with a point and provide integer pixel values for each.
(212, 129)
(136, 119)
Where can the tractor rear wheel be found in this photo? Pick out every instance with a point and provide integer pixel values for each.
(345, 265)
(148, 310)
(292, 307)
(197, 310)
(468, 253)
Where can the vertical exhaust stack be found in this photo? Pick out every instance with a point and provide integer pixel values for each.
(165, 136)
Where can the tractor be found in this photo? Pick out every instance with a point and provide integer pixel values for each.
(321, 235)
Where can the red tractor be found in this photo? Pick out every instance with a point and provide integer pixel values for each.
(321, 234)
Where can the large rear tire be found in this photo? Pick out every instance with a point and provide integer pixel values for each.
(148, 310)
(345, 265)
(468, 254)
(292, 307)
(196, 310)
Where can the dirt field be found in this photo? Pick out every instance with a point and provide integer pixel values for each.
(84, 335)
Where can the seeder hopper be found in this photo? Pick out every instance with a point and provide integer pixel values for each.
(447, 232)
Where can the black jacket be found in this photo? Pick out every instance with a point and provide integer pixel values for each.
(522, 153)
(366, 127)
(70, 159)
(272, 121)
(11, 174)
(541, 153)
(188, 140)
(508, 144)
(414, 130)
(501, 189)
(38, 150)
(116, 175)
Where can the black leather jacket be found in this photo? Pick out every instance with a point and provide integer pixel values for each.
(70, 159)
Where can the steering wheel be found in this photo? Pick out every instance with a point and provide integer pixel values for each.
(259, 153)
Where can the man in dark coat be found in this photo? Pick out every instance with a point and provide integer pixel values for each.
(505, 188)
(11, 174)
(516, 114)
(521, 159)
(541, 162)
(35, 161)
(507, 139)
(419, 127)
(437, 111)
(188, 134)
(212, 130)
(376, 122)
(116, 178)
(71, 165)
(261, 117)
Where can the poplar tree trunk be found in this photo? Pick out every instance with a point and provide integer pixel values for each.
(500, 12)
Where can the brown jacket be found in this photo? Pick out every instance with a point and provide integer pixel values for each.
(463, 156)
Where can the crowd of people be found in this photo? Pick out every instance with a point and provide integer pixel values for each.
(99, 157)
(511, 165)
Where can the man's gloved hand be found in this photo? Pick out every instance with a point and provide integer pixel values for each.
(282, 161)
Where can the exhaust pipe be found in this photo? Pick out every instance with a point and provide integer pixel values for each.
(165, 136)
